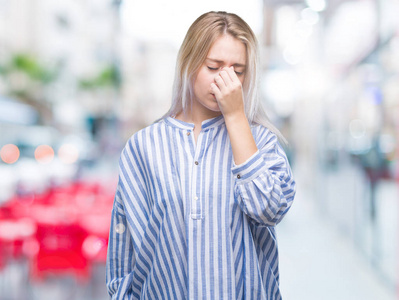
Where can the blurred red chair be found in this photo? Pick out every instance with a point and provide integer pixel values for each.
(60, 241)
(95, 206)
(15, 235)
(97, 227)
(72, 230)
(2, 258)
(17, 245)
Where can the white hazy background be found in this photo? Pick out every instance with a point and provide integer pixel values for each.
(169, 20)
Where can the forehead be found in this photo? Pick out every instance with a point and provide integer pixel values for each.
(229, 50)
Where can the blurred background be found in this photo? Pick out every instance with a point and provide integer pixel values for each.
(78, 78)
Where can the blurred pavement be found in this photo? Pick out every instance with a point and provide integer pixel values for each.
(318, 261)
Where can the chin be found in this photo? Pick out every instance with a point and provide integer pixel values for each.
(209, 104)
(213, 107)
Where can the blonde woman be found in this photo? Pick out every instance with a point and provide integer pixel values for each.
(201, 191)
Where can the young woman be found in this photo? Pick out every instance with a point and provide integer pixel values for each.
(201, 191)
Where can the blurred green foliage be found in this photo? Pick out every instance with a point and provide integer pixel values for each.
(28, 78)
(29, 65)
(108, 77)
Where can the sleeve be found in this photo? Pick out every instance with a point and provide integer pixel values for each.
(130, 210)
(120, 255)
(264, 185)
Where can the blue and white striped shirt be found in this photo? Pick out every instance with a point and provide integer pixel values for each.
(188, 223)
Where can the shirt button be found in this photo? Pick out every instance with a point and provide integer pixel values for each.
(238, 176)
(195, 198)
(196, 163)
(120, 228)
(188, 133)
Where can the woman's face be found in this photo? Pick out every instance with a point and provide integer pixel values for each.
(226, 51)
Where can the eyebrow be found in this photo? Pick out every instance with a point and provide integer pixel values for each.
(221, 62)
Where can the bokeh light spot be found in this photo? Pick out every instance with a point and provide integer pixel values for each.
(44, 154)
(9, 153)
(357, 128)
(68, 153)
(92, 245)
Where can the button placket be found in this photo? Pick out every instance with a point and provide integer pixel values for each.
(196, 203)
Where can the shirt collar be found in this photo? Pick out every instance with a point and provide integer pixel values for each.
(207, 124)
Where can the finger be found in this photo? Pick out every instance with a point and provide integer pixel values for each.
(216, 91)
(226, 77)
(220, 83)
(236, 83)
(232, 73)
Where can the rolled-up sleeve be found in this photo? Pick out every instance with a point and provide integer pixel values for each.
(264, 184)
(120, 256)
(128, 211)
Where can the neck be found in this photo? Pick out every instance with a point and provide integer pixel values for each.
(196, 115)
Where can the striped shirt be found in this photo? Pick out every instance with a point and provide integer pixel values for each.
(188, 223)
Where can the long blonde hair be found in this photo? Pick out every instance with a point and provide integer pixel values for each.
(193, 52)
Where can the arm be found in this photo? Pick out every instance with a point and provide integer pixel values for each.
(264, 187)
(129, 211)
(228, 92)
(120, 255)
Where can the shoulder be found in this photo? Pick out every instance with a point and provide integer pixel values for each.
(139, 142)
(263, 136)
(146, 133)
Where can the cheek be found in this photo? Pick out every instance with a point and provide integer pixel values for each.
(206, 80)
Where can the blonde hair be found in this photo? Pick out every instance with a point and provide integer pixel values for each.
(193, 52)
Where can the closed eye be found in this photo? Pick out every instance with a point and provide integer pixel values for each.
(215, 69)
